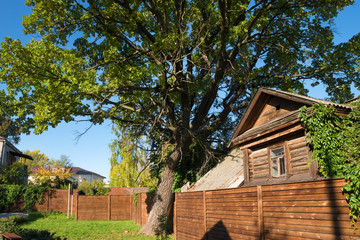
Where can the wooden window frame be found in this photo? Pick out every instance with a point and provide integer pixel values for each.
(286, 162)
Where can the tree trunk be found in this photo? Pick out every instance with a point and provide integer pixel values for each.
(164, 198)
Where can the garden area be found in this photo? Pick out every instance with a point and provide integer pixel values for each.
(53, 225)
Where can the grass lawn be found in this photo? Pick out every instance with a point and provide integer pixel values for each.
(60, 226)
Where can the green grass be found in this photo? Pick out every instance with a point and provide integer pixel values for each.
(60, 226)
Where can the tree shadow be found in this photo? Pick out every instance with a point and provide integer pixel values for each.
(39, 234)
(335, 211)
(218, 231)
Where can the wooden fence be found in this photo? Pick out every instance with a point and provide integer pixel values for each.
(110, 207)
(113, 208)
(57, 201)
(311, 210)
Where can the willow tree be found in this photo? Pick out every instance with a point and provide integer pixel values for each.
(180, 72)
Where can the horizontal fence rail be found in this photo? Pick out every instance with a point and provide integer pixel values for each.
(309, 210)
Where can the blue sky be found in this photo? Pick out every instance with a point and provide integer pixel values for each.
(91, 151)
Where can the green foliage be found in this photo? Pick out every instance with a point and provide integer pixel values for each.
(12, 193)
(335, 140)
(11, 224)
(9, 129)
(93, 188)
(33, 194)
(15, 173)
(130, 167)
(135, 198)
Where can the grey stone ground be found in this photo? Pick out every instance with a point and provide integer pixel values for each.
(7, 215)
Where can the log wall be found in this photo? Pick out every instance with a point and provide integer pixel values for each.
(296, 160)
(310, 210)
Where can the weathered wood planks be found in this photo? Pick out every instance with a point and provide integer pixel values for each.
(307, 210)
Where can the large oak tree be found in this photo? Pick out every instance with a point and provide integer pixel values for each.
(179, 71)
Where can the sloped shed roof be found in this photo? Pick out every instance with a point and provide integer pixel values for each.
(227, 174)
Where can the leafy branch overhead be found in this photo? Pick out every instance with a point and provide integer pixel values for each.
(179, 72)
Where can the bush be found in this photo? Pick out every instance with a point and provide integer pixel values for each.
(93, 188)
(14, 174)
(12, 193)
(11, 224)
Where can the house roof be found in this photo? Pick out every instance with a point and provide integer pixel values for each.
(260, 99)
(81, 171)
(227, 174)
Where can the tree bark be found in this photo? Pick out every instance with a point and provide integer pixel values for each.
(164, 197)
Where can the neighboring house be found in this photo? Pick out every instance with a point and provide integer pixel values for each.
(268, 146)
(80, 175)
(9, 153)
(34, 173)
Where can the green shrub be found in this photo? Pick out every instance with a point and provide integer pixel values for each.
(12, 193)
(11, 224)
(14, 174)
(93, 188)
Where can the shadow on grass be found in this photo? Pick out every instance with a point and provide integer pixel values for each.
(13, 225)
(39, 234)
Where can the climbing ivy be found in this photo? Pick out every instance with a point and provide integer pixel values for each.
(335, 141)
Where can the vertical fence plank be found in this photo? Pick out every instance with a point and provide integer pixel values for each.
(77, 207)
(109, 207)
(204, 212)
(48, 202)
(260, 212)
(175, 216)
(130, 206)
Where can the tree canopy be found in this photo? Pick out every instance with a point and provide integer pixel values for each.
(179, 72)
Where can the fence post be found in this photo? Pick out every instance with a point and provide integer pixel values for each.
(48, 202)
(260, 212)
(77, 207)
(138, 209)
(109, 207)
(175, 216)
(130, 206)
(204, 213)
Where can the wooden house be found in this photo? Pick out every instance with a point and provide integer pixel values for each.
(272, 138)
(268, 146)
(9, 153)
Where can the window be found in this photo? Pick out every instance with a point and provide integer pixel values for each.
(277, 162)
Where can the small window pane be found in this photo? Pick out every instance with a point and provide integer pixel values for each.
(279, 152)
(282, 165)
(274, 171)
